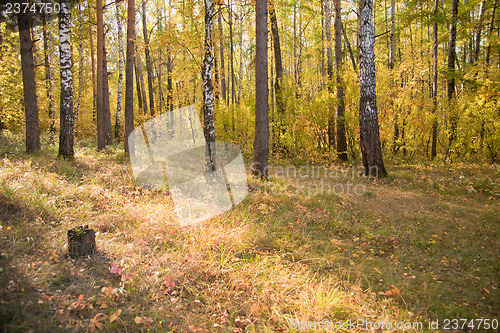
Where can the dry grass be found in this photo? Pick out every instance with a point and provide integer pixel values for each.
(421, 245)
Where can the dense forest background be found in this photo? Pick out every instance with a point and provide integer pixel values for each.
(413, 73)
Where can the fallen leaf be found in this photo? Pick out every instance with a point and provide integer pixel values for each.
(115, 315)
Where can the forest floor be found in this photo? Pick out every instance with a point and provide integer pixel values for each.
(421, 245)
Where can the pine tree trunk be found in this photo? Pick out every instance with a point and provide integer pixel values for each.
(28, 72)
(92, 58)
(261, 142)
(120, 74)
(208, 88)
(129, 74)
(341, 138)
(66, 134)
(80, 65)
(101, 122)
(349, 48)
(368, 115)
(49, 78)
(149, 68)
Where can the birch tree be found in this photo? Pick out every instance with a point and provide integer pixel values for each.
(208, 87)
(341, 138)
(66, 133)
(119, 94)
(368, 116)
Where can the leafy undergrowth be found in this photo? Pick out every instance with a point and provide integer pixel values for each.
(420, 245)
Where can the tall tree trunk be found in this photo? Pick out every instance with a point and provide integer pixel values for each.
(28, 72)
(101, 122)
(105, 96)
(80, 63)
(66, 134)
(231, 56)
(149, 68)
(280, 104)
(129, 74)
(208, 88)
(261, 142)
(138, 82)
(368, 115)
(120, 73)
(49, 78)
(435, 85)
(139, 74)
(94, 78)
(221, 40)
(392, 60)
(329, 71)
(341, 138)
(452, 59)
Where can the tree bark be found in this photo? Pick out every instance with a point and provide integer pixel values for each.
(261, 142)
(49, 78)
(129, 74)
(478, 32)
(66, 133)
(149, 68)
(435, 85)
(208, 88)
(452, 59)
(80, 64)
(492, 26)
(139, 74)
(94, 78)
(101, 124)
(222, 73)
(120, 73)
(341, 138)
(349, 48)
(105, 97)
(28, 72)
(368, 115)
(280, 104)
(231, 57)
(329, 71)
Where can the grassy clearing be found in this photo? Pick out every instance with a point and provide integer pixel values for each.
(420, 245)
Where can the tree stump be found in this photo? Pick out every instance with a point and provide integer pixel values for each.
(81, 241)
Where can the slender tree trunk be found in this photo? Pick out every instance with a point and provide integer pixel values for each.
(80, 64)
(208, 88)
(140, 75)
(341, 138)
(349, 48)
(221, 47)
(280, 103)
(28, 72)
(261, 142)
(94, 79)
(435, 85)
(452, 59)
(368, 115)
(105, 97)
(66, 134)
(101, 122)
(149, 68)
(119, 94)
(49, 78)
(138, 82)
(231, 56)
(129, 74)
(392, 60)
(329, 71)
